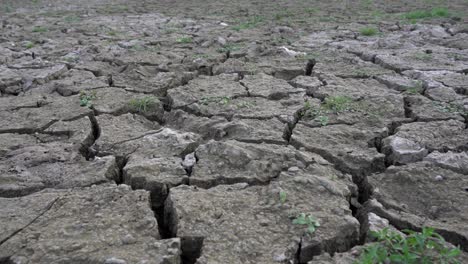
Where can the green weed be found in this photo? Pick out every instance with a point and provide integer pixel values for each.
(369, 31)
(283, 196)
(422, 56)
(142, 105)
(229, 47)
(39, 29)
(417, 247)
(338, 104)
(437, 12)
(86, 98)
(308, 220)
(29, 45)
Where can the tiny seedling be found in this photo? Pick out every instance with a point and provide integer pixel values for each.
(86, 98)
(308, 220)
(369, 31)
(142, 105)
(283, 196)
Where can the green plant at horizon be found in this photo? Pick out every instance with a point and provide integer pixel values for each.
(437, 12)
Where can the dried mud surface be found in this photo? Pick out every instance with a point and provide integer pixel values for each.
(197, 131)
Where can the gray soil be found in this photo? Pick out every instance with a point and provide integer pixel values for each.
(196, 131)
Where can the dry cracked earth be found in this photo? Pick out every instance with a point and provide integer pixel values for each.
(196, 131)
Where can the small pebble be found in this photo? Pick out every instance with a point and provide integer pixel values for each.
(439, 178)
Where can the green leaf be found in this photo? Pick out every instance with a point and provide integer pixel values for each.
(283, 196)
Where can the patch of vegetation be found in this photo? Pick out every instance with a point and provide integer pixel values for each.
(423, 56)
(437, 12)
(338, 104)
(29, 45)
(250, 23)
(86, 98)
(39, 29)
(369, 31)
(331, 105)
(307, 219)
(282, 196)
(450, 108)
(416, 89)
(229, 47)
(184, 40)
(417, 247)
(142, 105)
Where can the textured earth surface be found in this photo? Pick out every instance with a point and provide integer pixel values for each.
(197, 131)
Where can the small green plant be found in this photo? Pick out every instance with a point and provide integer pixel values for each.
(142, 105)
(416, 89)
(250, 23)
(184, 40)
(86, 98)
(423, 56)
(338, 104)
(323, 120)
(308, 220)
(29, 45)
(369, 31)
(39, 29)
(282, 196)
(229, 47)
(417, 247)
(450, 108)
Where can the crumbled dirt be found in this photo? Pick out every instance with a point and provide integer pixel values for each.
(182, 131)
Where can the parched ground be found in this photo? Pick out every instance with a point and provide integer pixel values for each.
(196, 131)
